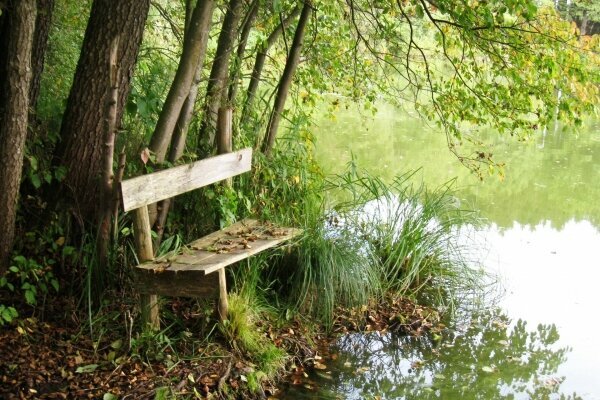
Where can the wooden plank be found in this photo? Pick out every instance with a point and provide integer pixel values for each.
(143, 243)
(148, 189)
(169, 283)
(208, 261)
(199, 258)
(223, 307)
(231, 230)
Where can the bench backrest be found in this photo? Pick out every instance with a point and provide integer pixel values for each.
(151, 188)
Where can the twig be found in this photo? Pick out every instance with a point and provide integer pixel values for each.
(224, 378)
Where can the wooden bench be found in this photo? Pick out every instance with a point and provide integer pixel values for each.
(191, 272)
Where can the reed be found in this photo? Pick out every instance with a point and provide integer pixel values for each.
(413, 234)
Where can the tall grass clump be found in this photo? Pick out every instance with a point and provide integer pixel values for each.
(332, 269)
(241, 331)
(411, 233)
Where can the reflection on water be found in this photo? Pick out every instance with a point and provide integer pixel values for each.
(552, 178)
(543, 242)
(489, 358)
(552, 275)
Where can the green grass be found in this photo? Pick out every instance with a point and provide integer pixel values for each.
(240, 330)
(411, 233)
(371, 238)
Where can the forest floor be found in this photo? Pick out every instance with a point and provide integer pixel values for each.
(54, 358)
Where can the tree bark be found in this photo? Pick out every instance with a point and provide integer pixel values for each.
(82, 130)
(14, 104)
(584, 24)
(216, 90)
(286, 79)
(178, 140)
(194, 50)
(40, 44)
(241, 50)
(259, 63)
(106, 207)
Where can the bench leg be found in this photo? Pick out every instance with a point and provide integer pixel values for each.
(149, 305)
(223, 303)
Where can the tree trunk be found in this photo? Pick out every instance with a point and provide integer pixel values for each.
(241, 50)
(584, 24)
(194, 50)
(4, 34)
(286, 79)
(82, 130)
(178, 140)
(40, 44)
(14, 105)
(216, 90)
(259, 63)
(106, 206)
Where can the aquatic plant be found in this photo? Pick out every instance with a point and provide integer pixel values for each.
(413, 234)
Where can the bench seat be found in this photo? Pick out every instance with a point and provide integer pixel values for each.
(187, 271)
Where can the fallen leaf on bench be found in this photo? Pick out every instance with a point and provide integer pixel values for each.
(161, 268)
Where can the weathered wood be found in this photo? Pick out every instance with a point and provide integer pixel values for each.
(223, 308)
(147, 189)
(169, 283)
(210, 254)
(143, 242)
(224, 130)
(225, 135)
(142, 234)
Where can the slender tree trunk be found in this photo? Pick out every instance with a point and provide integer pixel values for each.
(4, 34)
(106, 207)
(177, 111)
(40, 44)
(82, 130)
(194, 50)
(241, 50)
(286, 79)
(216, 90)
(14, 104)
(259, 63)
(584, 24)
(178, 139)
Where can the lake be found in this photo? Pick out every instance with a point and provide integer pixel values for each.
(541, 239)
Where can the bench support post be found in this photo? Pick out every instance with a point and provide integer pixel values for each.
(143, 244)
(224, 145)
(223, 302)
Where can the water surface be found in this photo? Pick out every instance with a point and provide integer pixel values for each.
(542, 240)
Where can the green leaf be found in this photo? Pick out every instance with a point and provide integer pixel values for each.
(13, 269)
(33, 163)
(109, 396)
(30, 296)
(60, 173)
(35, 181)
(20, 259)
(419, 11)
(8, 314)
(86, 369)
